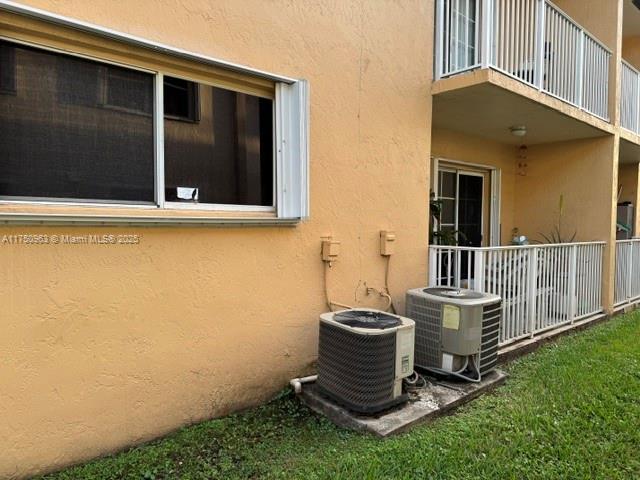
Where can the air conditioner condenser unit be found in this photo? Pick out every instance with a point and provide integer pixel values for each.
(363, 356)
(457, 330)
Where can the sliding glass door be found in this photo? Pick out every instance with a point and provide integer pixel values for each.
(461, 194)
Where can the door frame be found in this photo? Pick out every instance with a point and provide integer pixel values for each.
(494, 194)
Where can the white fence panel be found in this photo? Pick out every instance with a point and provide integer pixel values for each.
(514, 38)
(630, 98)
(595, 94)
(627, 281)
(542, 287)
(562, 49)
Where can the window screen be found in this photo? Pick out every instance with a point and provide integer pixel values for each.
(7, 68)
(226, 157)
(75, 129)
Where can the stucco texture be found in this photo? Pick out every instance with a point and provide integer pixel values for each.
(631, 50)
(456, 146)
(583, 172)
(107, 346)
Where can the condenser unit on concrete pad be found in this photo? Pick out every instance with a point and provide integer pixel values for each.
(457, 330)
(363, 356)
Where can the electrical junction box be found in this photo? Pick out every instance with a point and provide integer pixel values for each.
(330, 250)
(387, 242)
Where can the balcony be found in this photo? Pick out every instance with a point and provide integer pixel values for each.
(556, 62)
(543, 287)
(630, 98)
(630, 76)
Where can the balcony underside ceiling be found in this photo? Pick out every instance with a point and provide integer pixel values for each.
(489, 110)
(629, 152)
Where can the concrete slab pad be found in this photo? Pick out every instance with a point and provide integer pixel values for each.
(436, 399)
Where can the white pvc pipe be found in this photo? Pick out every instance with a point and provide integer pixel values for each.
(296, 383)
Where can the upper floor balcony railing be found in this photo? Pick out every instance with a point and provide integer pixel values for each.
(530, 40)
(630, 98)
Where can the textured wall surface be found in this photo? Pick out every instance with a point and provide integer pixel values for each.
(456, 146)
(585, 173)
(631, 50)
(581, 171)
(106, 346)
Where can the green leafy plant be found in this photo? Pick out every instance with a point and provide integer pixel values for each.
(556, 235)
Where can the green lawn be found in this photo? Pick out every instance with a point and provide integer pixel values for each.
(569, 411)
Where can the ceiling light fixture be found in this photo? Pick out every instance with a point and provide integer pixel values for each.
(518, 130)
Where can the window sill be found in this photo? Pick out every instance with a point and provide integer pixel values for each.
(151, 216)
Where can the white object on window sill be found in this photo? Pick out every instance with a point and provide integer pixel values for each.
(187, 193)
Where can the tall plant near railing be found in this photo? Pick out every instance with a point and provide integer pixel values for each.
(562, 297)
(557, 235)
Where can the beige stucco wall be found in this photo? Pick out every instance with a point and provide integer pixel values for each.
(450, 145)
(534, 179)
(584, 172)
(578, 171)
(105, 346)
(631, 50)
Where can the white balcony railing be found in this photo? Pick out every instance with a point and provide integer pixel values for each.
(627, 286)
(630, 98)
(530, 40)
(542, 286)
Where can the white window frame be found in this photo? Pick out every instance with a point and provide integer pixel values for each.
(290, 135)
(219, 207)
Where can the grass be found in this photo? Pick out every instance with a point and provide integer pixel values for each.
(570, 410)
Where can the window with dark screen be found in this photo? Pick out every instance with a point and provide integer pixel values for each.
(224, 158)
(79, 129)
(181, 100)
(7, 68)
(75, 129)
(129, 90)
(78, 82)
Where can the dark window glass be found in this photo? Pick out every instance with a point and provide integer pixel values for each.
(447, 184)
(7, 68)
(226, 157)
(180, 99)
(470, 209)
(448, 213)
(57, 139)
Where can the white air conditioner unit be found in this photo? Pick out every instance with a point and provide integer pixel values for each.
(457, 330)
(363, 355)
